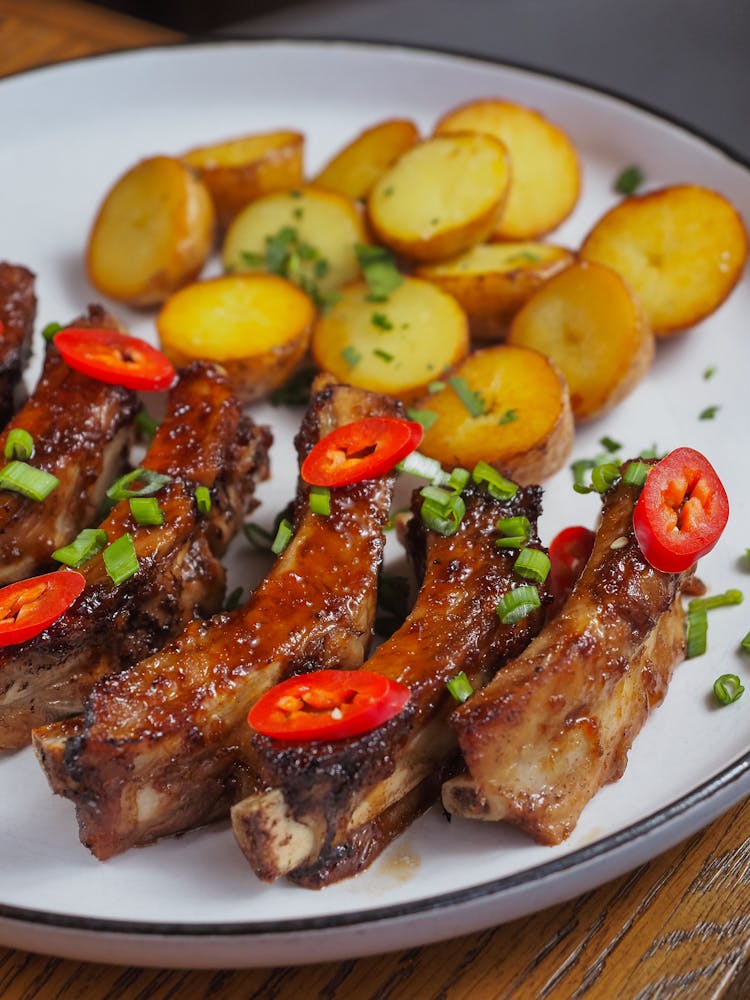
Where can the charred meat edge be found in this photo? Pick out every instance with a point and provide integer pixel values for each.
(161, 746)
(322, 796)
(557, 723)
(17, 315)
(204, 440)
(82, 430)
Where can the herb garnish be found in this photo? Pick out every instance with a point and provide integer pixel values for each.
(379, 271)
(629, 180)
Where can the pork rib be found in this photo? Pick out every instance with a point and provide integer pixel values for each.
(204, 440)
(557, 723)
(82, 430)
(331, 807)
(17, 315)
(161, 746)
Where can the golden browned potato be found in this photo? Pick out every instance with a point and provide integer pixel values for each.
(398, 346)
(307, 233)
(588, 323)
(509, 408)
(681, 249)
(152, 234)
(257, 326)
(493, 280)
(441, 197)
(355, 169)
(546, 174)
(240, 170)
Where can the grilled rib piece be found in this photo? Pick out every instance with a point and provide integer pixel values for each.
(557, 723)
(204, 440)
(160, 747)
(82, 430)
(331, 807)
(17, 315)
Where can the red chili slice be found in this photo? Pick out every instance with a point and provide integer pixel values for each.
(569, 552)
(115, 358)
(328, 705)
(29, 606)
(364, 449)
(681, 512)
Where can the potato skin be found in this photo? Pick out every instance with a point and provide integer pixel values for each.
(356, 168)
(152, 234)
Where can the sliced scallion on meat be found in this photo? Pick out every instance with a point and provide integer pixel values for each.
(19, 445)
(635, 473)
(146, 511)
(120, 559)
(50, 330)
(532, 564)
(496, 485)
(441, 510)
(203, 499)
(515, 532)
(35, 484)
(728, 689)
(517, 603)
(87, 544)
(458, 479)
(460, 687)
(283, 537)
(127, 486)
(320, 500)
(423, 467)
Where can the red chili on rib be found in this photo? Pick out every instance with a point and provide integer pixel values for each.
(29, 606)
(328, 705)
(569, 552)
(364, 449)
(115, 358)
(681, 512)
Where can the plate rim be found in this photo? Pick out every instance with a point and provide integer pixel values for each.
(701, 794)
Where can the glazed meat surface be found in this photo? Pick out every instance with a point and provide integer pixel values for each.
(17, 315)
(82, 431)
(160, 747)
(331, 807)
(204, 440)
(557, 723)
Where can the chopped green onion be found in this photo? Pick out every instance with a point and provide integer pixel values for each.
(516, 604)
(724, 600)
(87, 544)
(652, 452)
(441, 510)
(381, 321)
(417, 464)
(709, 413)
(283, 537)
(379, 271)
(383, 355)
(390, 524)
(515, 532)
(50, 330)
(525, 256)
(234, 600)
(458, 479)
(696, 631)
(320, 500)
(203, 499)
(709, 372)
(533, 564)
(120, 559)
(471, 399)
(146, 511)
(579, 468)
(604, 476)
(635, 473)
(146, 423)
(19, 444)
(728, 689)
(152, 483)
(609, 444)
(424, 417)
(745, 643)
(36, 484)
(434, 387)
(460, 687)
(496, 485)
(508, 417)
(351, 356)
(628, 180)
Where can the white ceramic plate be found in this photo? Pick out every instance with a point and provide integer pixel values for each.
(192, 901)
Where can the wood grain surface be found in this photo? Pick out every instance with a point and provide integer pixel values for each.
(677, 927)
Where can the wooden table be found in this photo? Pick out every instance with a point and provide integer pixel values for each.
(676, 927)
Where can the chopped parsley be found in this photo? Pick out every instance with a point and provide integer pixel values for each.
(351, 356)
(379, 271)
(629, 180)
(296, 260)
(709, 413)
(381, 321)
(472, 400)
(508, 417)
(709, 372)
(383, 355)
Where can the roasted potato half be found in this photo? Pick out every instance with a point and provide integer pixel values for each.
(682, 249)
(355, 169)
(522, 424)
(152, 234)
(398, 346)
(257, 326)
(240, 170)
(320, 228)
(493, 280)
(587, 321)
(546, 170)
(441, 197)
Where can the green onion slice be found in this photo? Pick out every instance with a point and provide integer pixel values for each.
(423, 467)
(517, 604)
(472, 400)
(458, 479)
(151, 482)
(146, 511)
(120, 559)
(515, 532)
(728, 689)
(496, 485)
(696, 631)
(36, 484)
(424, 417)
(609, 444)
(441, 510)
(745, 643)
(87, 544)
(604, 476)
(724, 600)
(203, 499)
(50, 330)
(533, 564)
(146, 423)
(19, 444)
(635, 473)
(283, 537)
(320, 500)
(460, 687)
